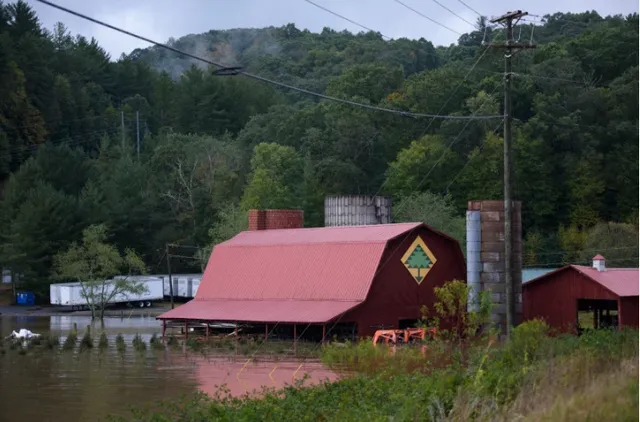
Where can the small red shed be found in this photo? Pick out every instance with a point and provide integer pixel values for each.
(332, 280)
(576, 297)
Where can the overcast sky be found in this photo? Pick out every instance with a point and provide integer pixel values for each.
(161, 19)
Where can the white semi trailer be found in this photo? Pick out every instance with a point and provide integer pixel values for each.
(185, 286)
(70, 294)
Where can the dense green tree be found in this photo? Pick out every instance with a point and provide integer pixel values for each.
(273, 183)
(437, 211)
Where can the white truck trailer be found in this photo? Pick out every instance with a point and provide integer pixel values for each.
(71, 294)
(185, 286)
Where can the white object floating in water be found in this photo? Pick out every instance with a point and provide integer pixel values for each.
(24, 334)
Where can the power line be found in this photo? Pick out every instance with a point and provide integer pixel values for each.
(262, 78)
(550, 78)
(345, 18)
(424, 16)
(453, 13)
(531, 76)
(472, 9)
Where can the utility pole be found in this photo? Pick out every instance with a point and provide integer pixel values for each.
(122, 127)
(509, 20)
(138, 132)
(166, 252)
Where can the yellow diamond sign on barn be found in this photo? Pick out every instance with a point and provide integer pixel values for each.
(418, 260)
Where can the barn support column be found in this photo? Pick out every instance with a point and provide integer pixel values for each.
(207, 330)
(295, 338)
(266, 332)
(235, 334)
(164, 328)
(186, 330)
(619, 314)
(324, 332)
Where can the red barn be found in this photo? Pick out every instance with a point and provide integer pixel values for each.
(576, 297)
(329, 280)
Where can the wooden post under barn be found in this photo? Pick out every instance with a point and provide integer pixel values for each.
(324, 332)
(295, 338)
(186, 330)
(266, 332)
(164, 328)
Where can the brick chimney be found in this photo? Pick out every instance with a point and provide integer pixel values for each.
(275, 219)
(598, 263)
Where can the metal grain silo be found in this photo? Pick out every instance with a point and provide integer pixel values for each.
(356, 210)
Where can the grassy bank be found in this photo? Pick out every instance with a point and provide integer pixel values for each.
(533, 377)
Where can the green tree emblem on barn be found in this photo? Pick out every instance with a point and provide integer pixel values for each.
(418, 260)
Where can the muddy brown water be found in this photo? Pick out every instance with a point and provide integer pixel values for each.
(71, 386)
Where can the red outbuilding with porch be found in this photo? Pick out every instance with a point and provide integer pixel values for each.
(573, 297)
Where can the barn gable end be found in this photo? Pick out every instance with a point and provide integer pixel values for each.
(396, 297)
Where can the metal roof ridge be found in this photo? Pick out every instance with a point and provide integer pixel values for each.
(275, 300)
(586, 267)
(357, 226)
(302, 242)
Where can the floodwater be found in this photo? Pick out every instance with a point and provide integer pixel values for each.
(70, 386)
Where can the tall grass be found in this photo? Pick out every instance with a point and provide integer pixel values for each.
(532, 377)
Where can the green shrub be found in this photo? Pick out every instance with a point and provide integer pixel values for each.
(52, 342)
(103, 342)
(86, 343)
(120, 344)
(173, 342)
(139, 344)
(70, 341)
(156, 343)
(194, 344)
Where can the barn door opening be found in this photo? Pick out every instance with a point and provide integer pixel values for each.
(596, 314)
(403, 324)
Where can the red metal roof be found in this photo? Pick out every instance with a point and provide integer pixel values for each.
(598, 257)
(334, 263)
(621, 281)
(286, 311)
(295, 275)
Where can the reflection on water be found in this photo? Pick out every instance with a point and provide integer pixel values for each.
(71, 386)
(242, 377)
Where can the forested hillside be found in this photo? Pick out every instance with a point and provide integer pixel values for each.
(213, 146)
